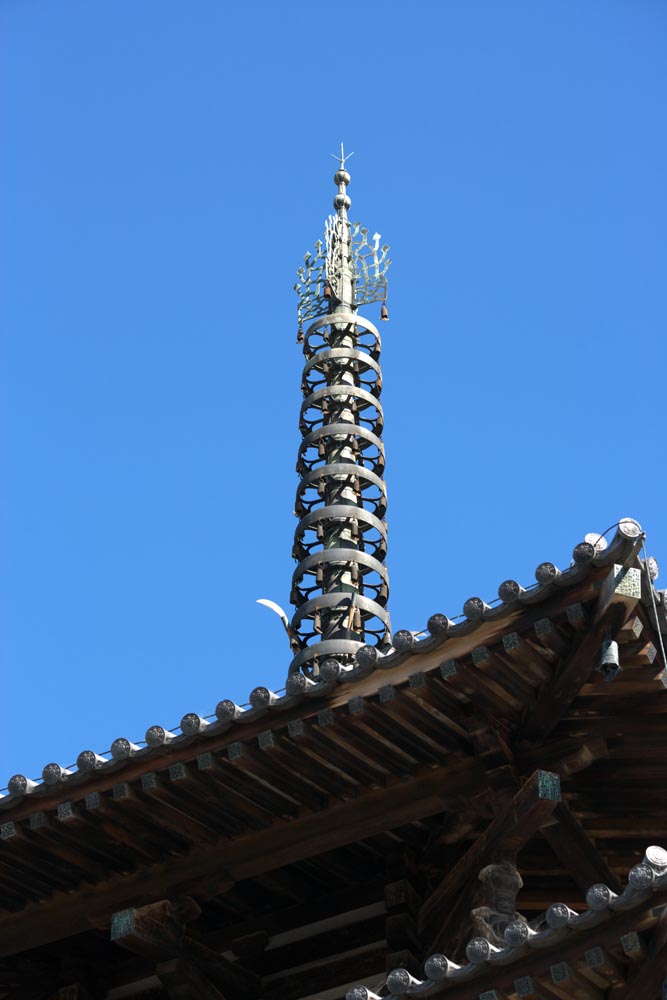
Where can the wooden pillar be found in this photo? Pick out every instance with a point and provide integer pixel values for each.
(402, 903)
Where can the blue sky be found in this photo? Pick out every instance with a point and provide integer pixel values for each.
(165, 167)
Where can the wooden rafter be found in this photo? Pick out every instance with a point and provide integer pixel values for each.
(645, 983)
(205, 872)
(614, 605)
(183, 981)
(577, 853)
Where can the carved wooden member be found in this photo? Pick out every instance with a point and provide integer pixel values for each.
(501, 883)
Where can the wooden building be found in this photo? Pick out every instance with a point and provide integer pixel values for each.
(475, 811)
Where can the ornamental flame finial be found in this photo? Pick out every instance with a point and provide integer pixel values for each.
(348, 265)
(340, 586)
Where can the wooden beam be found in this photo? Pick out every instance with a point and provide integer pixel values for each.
(209, 870)
(309, 911)
(288, 785)
(494, 753)
(32, 863)
(183, 981)
(255, 802)
(531, 661)
(231, 977)
(29, 984)
(193, 789)
(603, 969)
(571, 985)
(449, 904)
(302, 744)
(131, 808)
(52, 837)
(157, 932)
(115, 827)
(308, 980)
(619, 595)
(532, 989)
(283, 753)
(633, 946)
(646, 982)
(566, 756)
(577, 853)
(174, 816)
(400, 926)
(326, 945)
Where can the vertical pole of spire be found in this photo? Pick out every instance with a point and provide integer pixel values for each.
(342, 202)
(340, 586)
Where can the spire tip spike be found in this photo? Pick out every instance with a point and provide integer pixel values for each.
(342, 156)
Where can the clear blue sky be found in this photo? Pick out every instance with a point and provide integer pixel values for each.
(165, 166)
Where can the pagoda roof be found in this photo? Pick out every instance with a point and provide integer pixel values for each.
(456, 717)
(439, 646)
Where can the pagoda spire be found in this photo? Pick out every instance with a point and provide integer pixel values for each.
(340, 585)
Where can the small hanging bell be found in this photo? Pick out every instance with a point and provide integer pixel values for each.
(327, 290)
(609, 661)
(299, 335)
(383, 311)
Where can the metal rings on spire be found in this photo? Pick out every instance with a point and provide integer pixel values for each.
(340, 585)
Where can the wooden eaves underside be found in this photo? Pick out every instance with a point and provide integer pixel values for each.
(412, 777)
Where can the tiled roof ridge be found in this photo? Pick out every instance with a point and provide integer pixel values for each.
(556, 925)
(592, 553)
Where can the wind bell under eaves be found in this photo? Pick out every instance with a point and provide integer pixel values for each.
(340, 585)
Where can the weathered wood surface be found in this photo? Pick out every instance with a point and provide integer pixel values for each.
(340, 970)
(536, 965)
(158, 933)
(533, 989)
(449, 904)
(488, 633)
(328, 760)
(184, 981)
(309, 911)
(603, 969)
(613, 608)
(208, 871)
(566, 756)
(569, 984)
(646, 981)
(579, 856)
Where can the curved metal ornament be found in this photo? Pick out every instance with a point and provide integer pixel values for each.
(369, 263)
(310, 286)
(340, 585)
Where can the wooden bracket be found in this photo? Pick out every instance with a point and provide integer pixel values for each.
(619, 595)
(449, 904)
(646, 981)
(157, 932)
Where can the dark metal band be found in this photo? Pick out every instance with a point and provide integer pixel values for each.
(340, 586)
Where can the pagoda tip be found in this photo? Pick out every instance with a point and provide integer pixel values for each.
(342, 156)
